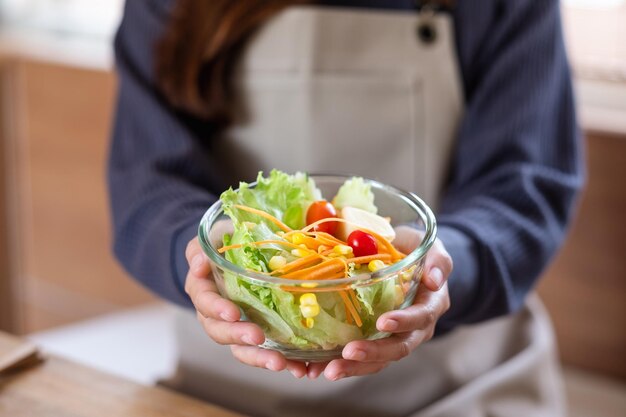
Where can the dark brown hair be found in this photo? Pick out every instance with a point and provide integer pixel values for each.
(199, 51)
(198, 54)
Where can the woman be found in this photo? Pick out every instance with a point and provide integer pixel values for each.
(468, 104)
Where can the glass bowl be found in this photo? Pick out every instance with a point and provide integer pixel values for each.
(369, 294)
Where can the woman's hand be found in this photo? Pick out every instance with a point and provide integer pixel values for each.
(410, 327)
(220, 318)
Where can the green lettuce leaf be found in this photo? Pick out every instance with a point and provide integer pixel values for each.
(377, 299)
(355, 193)
(284, 196)
(248, 256)
(255, 305)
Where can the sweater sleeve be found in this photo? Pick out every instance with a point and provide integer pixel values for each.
(517, 166)
(160, 179)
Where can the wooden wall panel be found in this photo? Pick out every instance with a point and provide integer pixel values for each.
(65, 271)
(6, 300)
(585, 288)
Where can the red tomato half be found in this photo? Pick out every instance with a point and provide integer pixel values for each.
(319, 210)
(363, 244)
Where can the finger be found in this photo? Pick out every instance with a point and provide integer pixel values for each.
(438, 266)
(261, 358)
(297, 369)
(206, 299)
(341, 368)
(267, 359)
(392, 348)
(198, 262)
(238, 333)
(424, 313)
(315, 369)
(192, 249)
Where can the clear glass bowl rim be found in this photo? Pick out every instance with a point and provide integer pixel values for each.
(416, 203)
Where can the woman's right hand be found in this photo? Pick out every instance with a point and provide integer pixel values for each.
(220, 318)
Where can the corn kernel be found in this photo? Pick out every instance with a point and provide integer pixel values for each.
(375, 265)
(408, 274)
(399, 296)
(309, 311)
(343, 250)
(297, 238)
(277, 262)
(308, 299)
(300, 253)
(309, 284)
(308, 322)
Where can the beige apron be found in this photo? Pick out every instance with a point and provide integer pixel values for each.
(354, 91)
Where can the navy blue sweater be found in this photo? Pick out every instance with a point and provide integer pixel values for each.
(516, 168)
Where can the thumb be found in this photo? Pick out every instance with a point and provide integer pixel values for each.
(438, 267)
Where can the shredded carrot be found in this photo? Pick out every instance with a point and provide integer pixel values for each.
(383, 249)
(322, 248)
(336, 275)
(321, 238)
(292, 288)
(328, 236)
(326, 242)
(355, 300)
(312, 243)
(297, 264)
(348, 315)
(345, 265)
(343, 260)
(318, 270)
(265, 215)
(348, 303)
(369, 258)
(261, 242)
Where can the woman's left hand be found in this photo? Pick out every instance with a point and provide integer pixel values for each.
(409, 327)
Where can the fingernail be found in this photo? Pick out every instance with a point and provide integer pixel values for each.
(357, 355)
(226, 316)
(247, 340)
(295, 374)
(390, 325)
(436, 276)
(271, 366)
(197, 260)
(339, 376)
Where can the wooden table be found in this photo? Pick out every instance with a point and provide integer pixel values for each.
(60, 388)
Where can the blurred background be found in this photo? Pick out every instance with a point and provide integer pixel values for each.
(60, 286)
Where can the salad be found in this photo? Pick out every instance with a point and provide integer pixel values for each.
(283, 228)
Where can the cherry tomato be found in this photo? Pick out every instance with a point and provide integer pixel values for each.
(319, 210)
(363, 244)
